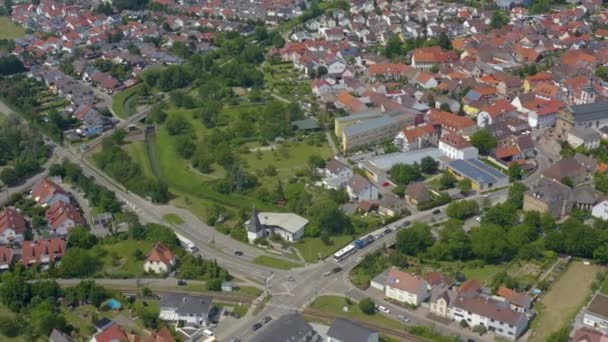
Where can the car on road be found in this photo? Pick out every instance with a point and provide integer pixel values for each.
(256, 326)
(181, 283)
(403, 318)
(388, 231)
(267, 319)
(238, 253)
(383, 309)
(328, 273)
(436, 211)
(235, 315)
(406, 223)
(336, 269)
(478, 219)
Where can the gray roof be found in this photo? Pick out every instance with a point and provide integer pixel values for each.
(476, 170)
(58, 336)
(584, 133)
(589, 112)
(383, 121)
(387, 161)
(307, 124)
(370, 114)
(345, 330)
(186, 304)
(254, 225)
(287, 328)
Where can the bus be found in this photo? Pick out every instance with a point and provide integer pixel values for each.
(344, 252)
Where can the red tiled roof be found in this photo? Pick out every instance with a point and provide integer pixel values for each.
(45, 189)
(12, 219)
(351, 102)
(404, 281)
(455, 140)
(60, 212)
(413, 133)
(471, 285)
(499, 107)
(113, 333)
(507, 151)
(388, 68)
(33, 252)
(6, 255)
(434, 54)
(161, 253)
(450, 120)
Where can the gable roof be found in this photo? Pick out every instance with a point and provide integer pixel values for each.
(39, 251)
(513, 297)
(289, 327)
(44, 190)
(12, 219)
(342, 329)
(335, 166)
(113, 333)
(405, 281)
(161, 253)
(358, 183)
(60, 212)
(418, 191)
(352, 103)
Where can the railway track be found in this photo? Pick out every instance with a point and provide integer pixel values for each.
(401, 335)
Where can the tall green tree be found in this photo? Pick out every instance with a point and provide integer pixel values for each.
(484, 141)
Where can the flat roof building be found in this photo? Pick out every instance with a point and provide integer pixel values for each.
(482, 176)
(375, 131)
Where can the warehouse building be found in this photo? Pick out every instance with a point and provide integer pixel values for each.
(483, 177)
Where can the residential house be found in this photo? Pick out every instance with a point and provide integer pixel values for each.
(427, 57)
(160, 260)
(594, 115)
(349, 103)
(387, 71)
(585, 334)
(455, 146)
(587, 137)
(417, 193)
(596, 314)
(578, 168)
(600, 211)
(62, 217)
(449, 122)
(416, 137)
(43, 251)
(517, 301)
(558, 199)
(406, 288)
(391, 205)
(344, 330)
(336, 174)
(288, 226)
(12, 226)
(489, 114)
(426, 80)
(193, 310)
(59, 336)
(46, 193)
(112, 333)
(289, 327)
(360, 188)
(6, 258)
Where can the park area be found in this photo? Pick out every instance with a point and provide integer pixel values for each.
(10, 30)
(563, 300)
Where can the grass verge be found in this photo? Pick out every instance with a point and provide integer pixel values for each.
(265, 260)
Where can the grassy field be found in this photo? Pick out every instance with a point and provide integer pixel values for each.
(334, 305)
(119, 258)
(122, 104)
(311, 249)
(173, 219)
(564, 299)
(483, 274)
(10, 30)
(137, 151)
(268, 261)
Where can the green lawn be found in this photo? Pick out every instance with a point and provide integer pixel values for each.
(118, 259)
(311, 248)
(10, 30)
(137, 151)
(268, 261)
(122, 104)
(173, 219)
(483, 274)
(335, 305)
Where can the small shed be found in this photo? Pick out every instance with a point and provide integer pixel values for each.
(227, 286)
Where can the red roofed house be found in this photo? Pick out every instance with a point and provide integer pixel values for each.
(517, 301)
(42, 251)
(160, 259)
(588, 335)
(489, 114)
(350, 103)
(416, 137)
(406, 288)
(425, 58)
(113, 333)
(163, 335)
(46, 193)
(6, 258)
(12, 226)
(450, 122)
(387, 71)
(455, 147)
(62, 217)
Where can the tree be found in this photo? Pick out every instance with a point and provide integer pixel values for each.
(326, 215)
(394, 47)
(429, 165)
(80, 237)
(405, 174)
(177, 124)
(43, 319)
(503, 215)
(465, 185)
(499, 19)
(446, 181)
(367, 306)
(453, 244)
(514, 172)
(77, 262)
(484, 141)
(516, 195)
(15, 292)
(414, 240)
(316, 161)
(444, 41)
(489, 243)
(462, 209)
(10, 65)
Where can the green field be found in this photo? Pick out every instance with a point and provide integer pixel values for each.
(312, 248)
(564, 299)
(118, 259)
(268, 261)
(335, 305)
(173, 219)
(137, 151)
(10, 30)
(122, 103)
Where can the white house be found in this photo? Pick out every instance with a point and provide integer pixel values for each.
(287, 225)
(193, 310)
(359, 188)
(160, 259)
(600, 211)
(416, 137)
(406, 288)
(596, 315)
(456, 147)
(583, 136)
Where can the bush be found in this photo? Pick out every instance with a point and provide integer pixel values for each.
(480, 329)
(367, 306)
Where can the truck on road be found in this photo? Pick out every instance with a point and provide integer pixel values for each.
(186, 243)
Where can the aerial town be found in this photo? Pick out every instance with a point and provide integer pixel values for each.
(303, 170)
